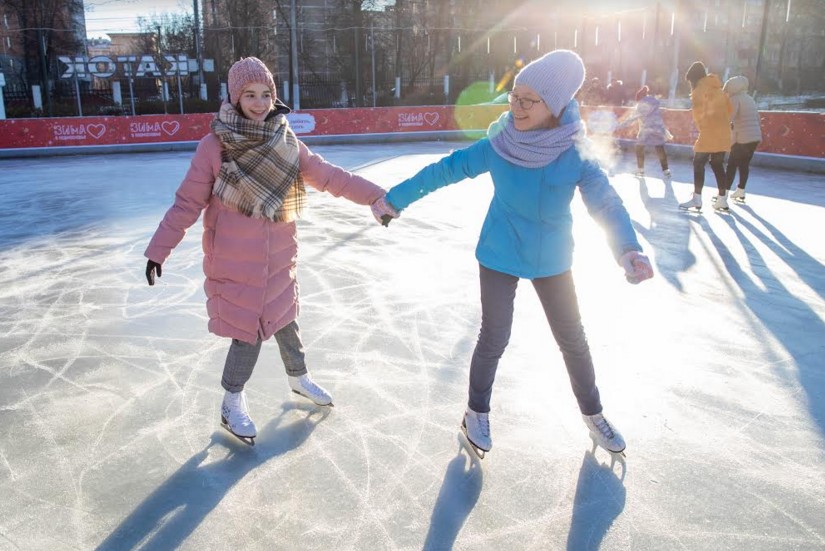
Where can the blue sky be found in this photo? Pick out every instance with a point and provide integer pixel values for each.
(104, 16)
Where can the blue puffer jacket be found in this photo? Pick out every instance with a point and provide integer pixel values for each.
(528, 229)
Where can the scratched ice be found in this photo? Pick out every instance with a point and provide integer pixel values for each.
(109, 389)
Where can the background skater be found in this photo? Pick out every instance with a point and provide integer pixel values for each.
(711, 109)
(745, 134)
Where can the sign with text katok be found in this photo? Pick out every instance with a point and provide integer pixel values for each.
(139, 66)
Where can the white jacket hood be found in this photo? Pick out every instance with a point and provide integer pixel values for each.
(736, 85)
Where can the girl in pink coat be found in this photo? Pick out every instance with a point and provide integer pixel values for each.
(248, 176)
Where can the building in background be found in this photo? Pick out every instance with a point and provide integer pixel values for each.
(402, 52)
(34, 34)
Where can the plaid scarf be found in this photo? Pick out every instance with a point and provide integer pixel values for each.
(259, 174)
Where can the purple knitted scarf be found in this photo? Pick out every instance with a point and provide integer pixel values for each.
(535, 148)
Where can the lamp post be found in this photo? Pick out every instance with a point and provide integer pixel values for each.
(293, 34)
(198, 53)
(372, 53)
(44, 61)
(759, 55)
(674, 32)
(2, 105)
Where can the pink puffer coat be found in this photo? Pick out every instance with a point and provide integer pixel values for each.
(249, 263)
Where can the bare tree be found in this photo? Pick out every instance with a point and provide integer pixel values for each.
(417, 24)
(167, 34)
(171, 33)
(48, 30)
(248, 26)
(807, 48)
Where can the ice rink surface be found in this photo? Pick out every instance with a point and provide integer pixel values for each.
(110, 390)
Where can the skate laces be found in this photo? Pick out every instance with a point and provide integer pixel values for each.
(310, 386)
(236, 406)
(604, 427)
(483, 421)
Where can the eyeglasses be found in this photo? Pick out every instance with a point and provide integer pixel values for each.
(524, 103)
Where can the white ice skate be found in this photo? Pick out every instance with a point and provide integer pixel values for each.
(721, 203)
(695, 202)
(738, 195)
(306, 387)
(235, 417)
(605, 435)
(666, 173)
(476, 428)
(640, 173)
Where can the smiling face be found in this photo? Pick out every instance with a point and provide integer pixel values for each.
(536, 117)
(256, 101)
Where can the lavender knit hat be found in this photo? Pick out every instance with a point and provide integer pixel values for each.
(556, 77)
(248, 70)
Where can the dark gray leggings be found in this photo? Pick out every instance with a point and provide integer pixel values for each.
(242, 357)
(558, 298)
(717, 165)
(660, 152)
(740, 157)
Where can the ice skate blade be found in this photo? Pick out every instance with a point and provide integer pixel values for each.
(248, 440)
(469, 444)
(614, 455)
(313, 401)
(690, 209)
(474, 451)
(738, 200)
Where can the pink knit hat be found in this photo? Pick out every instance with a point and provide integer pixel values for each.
(248, 70)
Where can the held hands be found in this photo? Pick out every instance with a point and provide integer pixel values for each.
(382, 211)
(636, 266)
(151, 268)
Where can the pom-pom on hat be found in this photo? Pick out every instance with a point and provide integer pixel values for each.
(556, 77)
(247, 71)
(643, 91)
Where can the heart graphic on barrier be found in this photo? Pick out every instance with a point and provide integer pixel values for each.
(170, 127)
(431, 118)
(96, 130)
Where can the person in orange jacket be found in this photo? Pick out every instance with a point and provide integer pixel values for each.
(711, 109)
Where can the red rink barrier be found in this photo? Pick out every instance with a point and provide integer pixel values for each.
(97, 131)
(783, 132)
(788, 133)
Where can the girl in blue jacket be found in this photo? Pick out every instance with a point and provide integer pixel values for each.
(532, 155)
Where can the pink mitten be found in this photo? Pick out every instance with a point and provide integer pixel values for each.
(383, 211)
(636, 266)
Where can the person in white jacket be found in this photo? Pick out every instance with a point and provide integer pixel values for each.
(745, 134)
